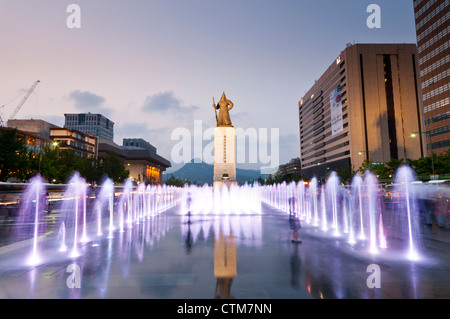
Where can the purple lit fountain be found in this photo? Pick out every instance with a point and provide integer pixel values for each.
(77, 218)
(356, 216)
(30, 213)
(332, 190)
(357, 204)
(124, 206)
(407, 211)
(106, 199)
(74, 203)
(359, 213)
(372, 206)
(313, 187)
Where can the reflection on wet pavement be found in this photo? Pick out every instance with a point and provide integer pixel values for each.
(173, 255)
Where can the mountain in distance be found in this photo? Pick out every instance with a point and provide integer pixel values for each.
(204, 173)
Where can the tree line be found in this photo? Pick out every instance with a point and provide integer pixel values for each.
(54, 165)
(423, 167)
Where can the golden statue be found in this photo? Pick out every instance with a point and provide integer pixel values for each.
(224, 106)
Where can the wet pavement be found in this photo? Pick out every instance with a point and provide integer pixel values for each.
(246, 256)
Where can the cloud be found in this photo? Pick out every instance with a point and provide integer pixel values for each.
(160, 114)
(140, 130)
(168, 102)
(54, 119)
(86, 101)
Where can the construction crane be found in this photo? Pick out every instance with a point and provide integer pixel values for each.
(22, 102)
(2, 124)
(30, 90)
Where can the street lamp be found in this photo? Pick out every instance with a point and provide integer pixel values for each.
(367, 152)
(40, 158)
(414, 134)
(55, 145)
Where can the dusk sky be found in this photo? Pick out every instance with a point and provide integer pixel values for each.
(154, 66)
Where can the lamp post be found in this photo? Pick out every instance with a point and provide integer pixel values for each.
(40, 158)
(414, 134)
(55, 145)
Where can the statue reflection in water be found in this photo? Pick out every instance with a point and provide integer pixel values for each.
(224, 265)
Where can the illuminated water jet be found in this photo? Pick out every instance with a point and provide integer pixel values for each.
(32, 201)
(62, 234)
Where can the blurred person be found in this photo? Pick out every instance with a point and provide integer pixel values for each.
(441, 211)
(294, 221)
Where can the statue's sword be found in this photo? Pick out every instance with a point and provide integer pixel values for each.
(215, 111)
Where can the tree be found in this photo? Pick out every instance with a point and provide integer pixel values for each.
(55, 165)
(49, 166)
(174, 181)
(270, 180)
(345, 174)
(380, 170)
(14, 157)
(113, 167)
(424, 166)
(68, 163)
(442, 163)
(89, 168)
(261, 181)
(58, 165)
(152, 180)
(394, 164)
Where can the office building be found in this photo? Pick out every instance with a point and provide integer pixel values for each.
(93, 124)
(144, 164)
(35, 143)
(433, 46)
(39, 133)
(293, 167)
(84, 145)
(364, 107)
(39, 127)
(34, 133)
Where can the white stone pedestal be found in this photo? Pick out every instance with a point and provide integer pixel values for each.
(224, 156)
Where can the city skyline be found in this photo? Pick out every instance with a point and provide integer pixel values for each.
(152, 67)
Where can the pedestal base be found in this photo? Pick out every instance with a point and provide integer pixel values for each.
(224, 155)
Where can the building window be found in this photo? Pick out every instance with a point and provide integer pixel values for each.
(438, 118)
(390, 106)
(152, 174)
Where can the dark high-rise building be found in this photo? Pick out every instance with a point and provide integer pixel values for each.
(433, 45)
